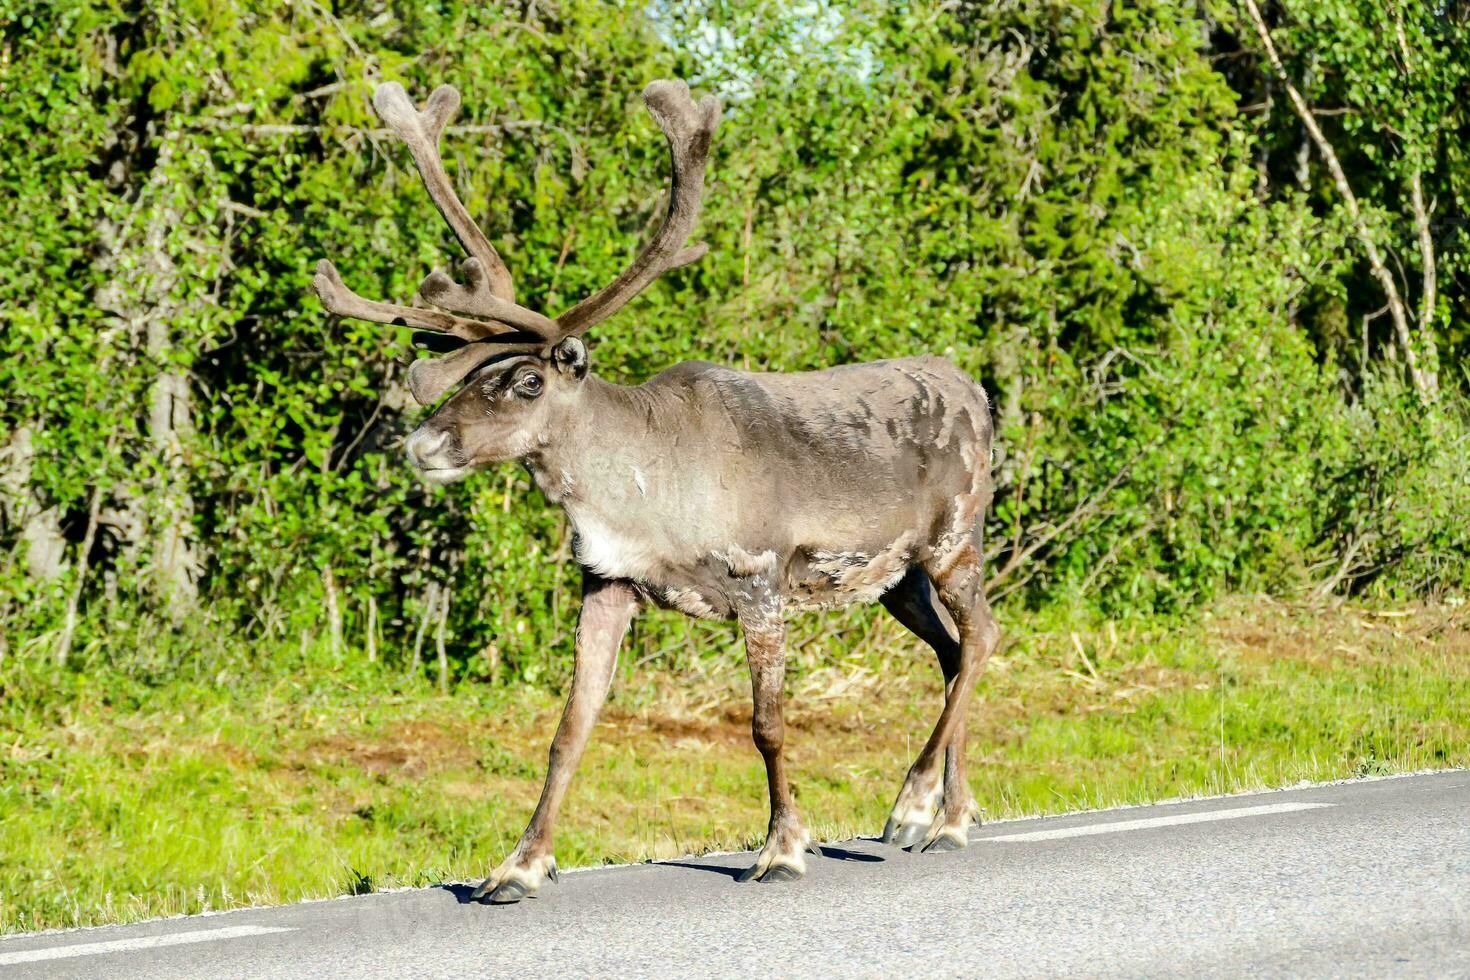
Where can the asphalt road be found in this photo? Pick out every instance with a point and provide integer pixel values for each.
(1369, 878)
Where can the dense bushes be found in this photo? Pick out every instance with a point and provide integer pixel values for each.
(1077, 202)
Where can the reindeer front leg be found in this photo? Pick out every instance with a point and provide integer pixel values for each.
(607, 609)
(781, 858)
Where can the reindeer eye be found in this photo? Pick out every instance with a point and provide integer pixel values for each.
(530, 385)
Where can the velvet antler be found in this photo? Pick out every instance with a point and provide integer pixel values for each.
(494, 322)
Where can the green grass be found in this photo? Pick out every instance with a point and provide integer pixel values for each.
(122, 803)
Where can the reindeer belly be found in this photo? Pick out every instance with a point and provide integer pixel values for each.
(728, 583)
(819, 578)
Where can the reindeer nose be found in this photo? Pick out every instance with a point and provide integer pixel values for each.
(424, 444)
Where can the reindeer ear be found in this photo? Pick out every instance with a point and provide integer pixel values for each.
(570, 357)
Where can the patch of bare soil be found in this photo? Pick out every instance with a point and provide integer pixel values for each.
(413, 748)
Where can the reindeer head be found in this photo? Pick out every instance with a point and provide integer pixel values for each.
(505, 410)
(520, 372)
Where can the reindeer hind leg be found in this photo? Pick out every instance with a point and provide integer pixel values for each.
(935, 807)
(960, 588)
(914, 603)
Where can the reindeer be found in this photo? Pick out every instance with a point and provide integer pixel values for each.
(722, 494)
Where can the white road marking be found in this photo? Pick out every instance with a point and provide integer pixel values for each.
(142, 942)
(1148, 822)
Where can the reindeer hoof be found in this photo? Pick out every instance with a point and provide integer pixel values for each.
(773, 873)
(906, 835)
(783, 858)
(506, 893)
(515, 878)
(779, 872)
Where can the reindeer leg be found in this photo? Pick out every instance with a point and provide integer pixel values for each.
(607, 609)
(781, 859)
(913, 603)
(961, 589)
(961, 592)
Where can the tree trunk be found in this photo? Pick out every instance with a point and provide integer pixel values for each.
(39, 526)
(372, 629)
(431, 598)
(334, 612)
(1429, 275)
(444, 596)
(145, 295)
(73, 601)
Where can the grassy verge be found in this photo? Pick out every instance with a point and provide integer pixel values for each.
(196, 797)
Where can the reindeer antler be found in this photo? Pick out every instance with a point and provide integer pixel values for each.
(690, 129)
(496, 323)
(421, 132)
(490, 292)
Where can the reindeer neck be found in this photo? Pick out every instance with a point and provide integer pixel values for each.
(599, 454)
(616, 469)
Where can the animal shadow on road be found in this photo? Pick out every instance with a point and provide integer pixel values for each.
(733, 871)
(463, 894)
(460, 891)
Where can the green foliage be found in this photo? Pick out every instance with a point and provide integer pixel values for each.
(1063, 198)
